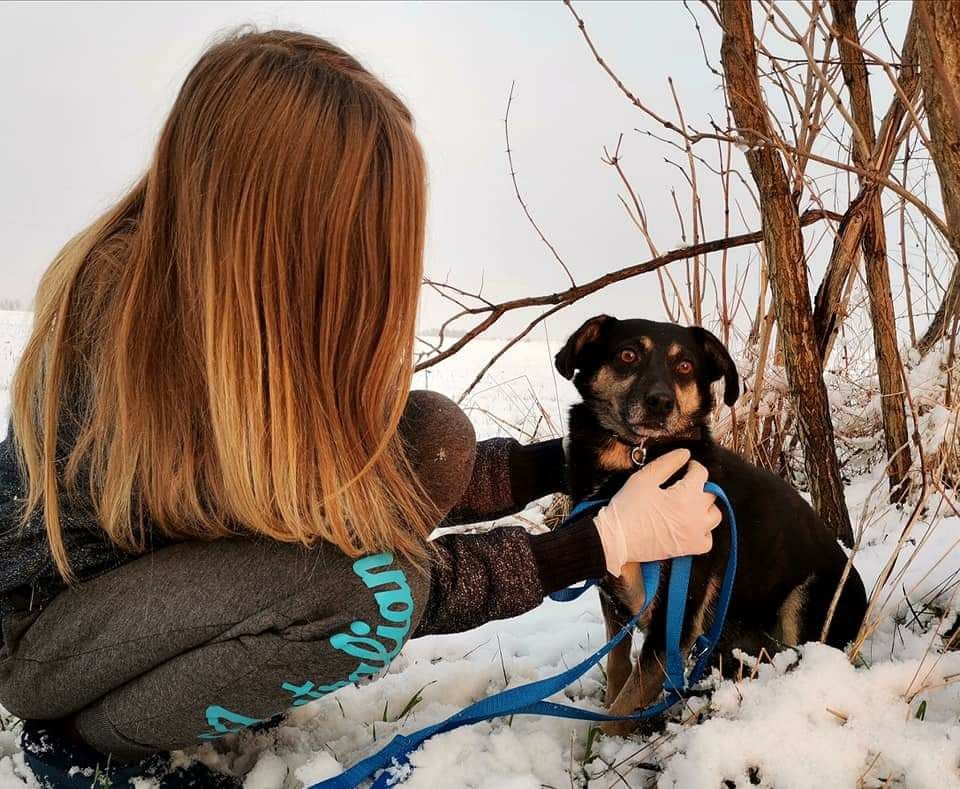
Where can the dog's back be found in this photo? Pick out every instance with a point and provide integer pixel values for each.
(800, 563)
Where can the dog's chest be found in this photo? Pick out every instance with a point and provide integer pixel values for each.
(614, 457)
(598, 470)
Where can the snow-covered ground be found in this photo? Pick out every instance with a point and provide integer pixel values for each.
(809, 718)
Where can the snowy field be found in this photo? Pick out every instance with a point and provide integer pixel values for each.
(807, 719)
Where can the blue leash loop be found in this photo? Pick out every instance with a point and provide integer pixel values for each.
(529, 699)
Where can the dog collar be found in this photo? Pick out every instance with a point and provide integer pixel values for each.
(640, 451)
(637, 451)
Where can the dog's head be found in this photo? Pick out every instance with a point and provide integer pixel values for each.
(644, 379)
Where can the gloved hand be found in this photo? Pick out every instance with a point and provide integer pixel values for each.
(644, 522)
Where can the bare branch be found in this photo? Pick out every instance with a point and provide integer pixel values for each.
(574, 294)
(516, 189)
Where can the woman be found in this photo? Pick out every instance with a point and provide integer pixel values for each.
(217, 490)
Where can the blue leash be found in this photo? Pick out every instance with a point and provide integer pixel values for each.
(529, 699)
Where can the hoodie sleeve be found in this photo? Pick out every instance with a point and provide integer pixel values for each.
(502, 573)
(508, 475)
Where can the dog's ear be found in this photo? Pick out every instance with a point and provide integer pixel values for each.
(721, 363)
(568, 356)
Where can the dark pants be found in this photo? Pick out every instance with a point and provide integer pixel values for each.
(197, 640)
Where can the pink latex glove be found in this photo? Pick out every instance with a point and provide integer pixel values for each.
(644, 522)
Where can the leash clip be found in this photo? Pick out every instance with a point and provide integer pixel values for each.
(638, 455)
(700, 647)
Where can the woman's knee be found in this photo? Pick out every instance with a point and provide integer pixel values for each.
(441, 445)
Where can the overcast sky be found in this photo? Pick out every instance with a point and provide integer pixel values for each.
(85, 87)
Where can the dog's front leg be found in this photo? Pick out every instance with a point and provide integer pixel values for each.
(629, 589)
(618, 659)
(641, 689)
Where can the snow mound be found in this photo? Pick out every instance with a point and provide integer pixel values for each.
(822, 722)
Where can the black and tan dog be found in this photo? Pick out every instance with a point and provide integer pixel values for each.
(646, 390)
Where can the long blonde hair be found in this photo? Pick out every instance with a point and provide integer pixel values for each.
(228, 349)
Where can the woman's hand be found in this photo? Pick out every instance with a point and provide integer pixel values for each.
(644, 522)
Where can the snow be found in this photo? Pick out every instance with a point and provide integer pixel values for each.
(839, 726)
(811, 717)
(269, 771)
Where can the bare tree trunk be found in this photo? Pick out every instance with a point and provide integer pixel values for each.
(840, 269)
(783, 243)
(843, 258)
(940, 76)
(874, 241)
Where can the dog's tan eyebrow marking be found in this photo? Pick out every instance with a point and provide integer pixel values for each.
(674, 350)
(606, 382)
(647, 343)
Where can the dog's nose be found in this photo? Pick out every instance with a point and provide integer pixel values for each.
(659, 402)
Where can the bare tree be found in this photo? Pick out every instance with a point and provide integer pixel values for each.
(874, 244)
(940, 75)
(783, 245)
(843, 259)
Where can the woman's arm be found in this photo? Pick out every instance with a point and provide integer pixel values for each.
(505, 572)
(506, 477)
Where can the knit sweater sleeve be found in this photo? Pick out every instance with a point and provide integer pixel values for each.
(508, 475)
(505, 572)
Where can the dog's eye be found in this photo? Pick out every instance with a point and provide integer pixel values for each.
(685, 368)
(628, 356)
